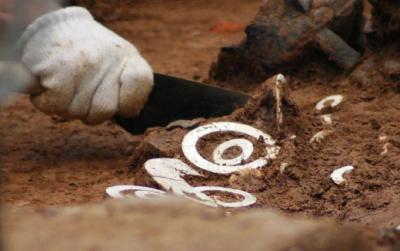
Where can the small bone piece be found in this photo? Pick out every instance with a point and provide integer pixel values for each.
(326, 119)
(319, 136)
(334, 101)
(305, 4)
(385, 147)
(117, 192)
(280, 80)
(397, 228)
(272, 152)
(283, 167)
(185, 124)
(383, 137)
(337, 175)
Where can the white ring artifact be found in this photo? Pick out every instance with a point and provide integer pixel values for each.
(189, 147)
(170, 173)
(335, 101)
(245, 145)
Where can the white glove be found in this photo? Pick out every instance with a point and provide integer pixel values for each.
(87, 72)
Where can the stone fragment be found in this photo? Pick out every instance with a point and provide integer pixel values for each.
(385, 20)
(185, 124)
(284, 33)
(391, 69)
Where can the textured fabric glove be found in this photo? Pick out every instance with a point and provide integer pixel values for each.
(86, 71)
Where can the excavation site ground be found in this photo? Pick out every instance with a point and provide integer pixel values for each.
(49, 165)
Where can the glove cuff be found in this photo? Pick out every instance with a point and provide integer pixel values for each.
(52, 19)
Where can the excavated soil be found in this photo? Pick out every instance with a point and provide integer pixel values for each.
(47, 162)
(367, 113)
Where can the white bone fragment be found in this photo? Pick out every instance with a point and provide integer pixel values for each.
(272, 152)
(326, 119)
(383, 137)
(189, 146)
(169, 173)
(305, 4)
(337, 175)
(319, 136)
(283, 167)
(335, 100)
(397, 228)
(117, 192)
(280, 80)
(385, 148)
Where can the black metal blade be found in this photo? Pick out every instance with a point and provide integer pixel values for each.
(173, 99)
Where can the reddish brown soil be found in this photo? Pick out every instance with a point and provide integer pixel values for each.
(46, 162)
(367, 112)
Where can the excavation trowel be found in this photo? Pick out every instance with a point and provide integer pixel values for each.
(171, 99)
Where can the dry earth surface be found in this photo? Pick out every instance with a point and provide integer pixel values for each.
(48, 162)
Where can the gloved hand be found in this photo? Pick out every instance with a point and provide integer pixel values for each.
(86, 71)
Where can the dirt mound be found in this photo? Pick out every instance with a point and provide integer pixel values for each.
(298, 180)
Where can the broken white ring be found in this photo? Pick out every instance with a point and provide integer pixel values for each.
(336, 100)
(139, 191)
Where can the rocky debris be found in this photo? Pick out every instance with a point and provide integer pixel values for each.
(171, 224)
(391, 69)
(385, 23)
(382, 68)
(285, 33)
(185, 124)
(157, 144)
